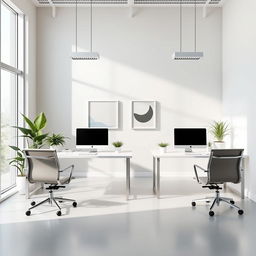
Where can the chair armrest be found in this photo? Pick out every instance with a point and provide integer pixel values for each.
(201, 168)
(41, 157)
(71, 167)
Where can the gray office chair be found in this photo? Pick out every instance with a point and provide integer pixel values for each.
(224, 166)
(43, 166)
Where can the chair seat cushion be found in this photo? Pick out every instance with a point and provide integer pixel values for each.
(63, 180)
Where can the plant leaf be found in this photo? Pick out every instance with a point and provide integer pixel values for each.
(40, 138)
(30, 123)
(15, 148)
(25, 131)
(40, 121)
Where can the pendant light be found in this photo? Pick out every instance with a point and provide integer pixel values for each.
(85, 55)
(187, 55)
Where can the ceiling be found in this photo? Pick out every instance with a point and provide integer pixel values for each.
(128, 3)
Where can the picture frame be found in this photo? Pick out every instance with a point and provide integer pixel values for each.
(143, 114)
(103, 114)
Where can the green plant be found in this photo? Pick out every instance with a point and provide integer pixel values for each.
(18, 161)
(117, 144)
(163, 145)
(219, 130)
(56, 140)
(33, 134)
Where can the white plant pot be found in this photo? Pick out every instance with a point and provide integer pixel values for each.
(21, 184)
(219, 144)
(162, 150)
(118, 150)
(57, 148)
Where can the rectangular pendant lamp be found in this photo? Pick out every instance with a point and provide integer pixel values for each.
(85, 55)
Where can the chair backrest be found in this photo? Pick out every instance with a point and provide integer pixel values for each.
(224, 166)
(43, 165)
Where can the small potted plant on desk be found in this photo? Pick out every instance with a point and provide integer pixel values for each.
(219, 130)
(118, 145)
(55, 141)
(163, 147)
(19, 162)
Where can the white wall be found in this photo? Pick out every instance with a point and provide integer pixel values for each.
(135, 64)
(28, 8)
(239, 94)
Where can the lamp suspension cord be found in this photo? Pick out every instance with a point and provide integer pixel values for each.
(180, 25)
(195, 25)
(76, 25)
(91, 27)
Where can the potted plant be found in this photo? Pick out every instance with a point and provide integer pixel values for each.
(219, 130)
(35, 139)
(118, 145)
(33, 134)
(163, 147)
(55, 141)
(19, 162)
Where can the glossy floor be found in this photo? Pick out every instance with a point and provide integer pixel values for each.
(106, 224)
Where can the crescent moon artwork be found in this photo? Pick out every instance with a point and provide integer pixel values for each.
(144, 118)
(144, 114)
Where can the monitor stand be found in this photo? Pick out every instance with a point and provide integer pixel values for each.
(188, 149)
(93, 150)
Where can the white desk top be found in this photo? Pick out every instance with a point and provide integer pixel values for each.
(180, 154)
(107, 154)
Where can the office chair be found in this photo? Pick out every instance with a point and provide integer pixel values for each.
(43, 166)
(224, 166)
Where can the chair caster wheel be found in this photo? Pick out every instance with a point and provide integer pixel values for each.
(33, 203)
(74, 204)
(60, 201)
(208, 202)
(28, 213)
(193, 203)
(211, 213)
(232, 202)
(58, 213)
(240, 212)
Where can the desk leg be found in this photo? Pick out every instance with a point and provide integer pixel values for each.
(128, 177)
(242, 178)
(158, 177)
(154, 175)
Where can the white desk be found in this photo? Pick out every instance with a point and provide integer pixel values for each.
(127, 155)
(156, 166)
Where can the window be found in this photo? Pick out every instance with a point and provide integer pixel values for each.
(11, 89)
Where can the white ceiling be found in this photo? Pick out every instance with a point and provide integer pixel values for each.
(128, 3)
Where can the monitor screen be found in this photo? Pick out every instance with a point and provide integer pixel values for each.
(91, 137)
(190, 137)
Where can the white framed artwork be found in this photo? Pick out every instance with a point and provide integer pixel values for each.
(103, 114)
(143, 114)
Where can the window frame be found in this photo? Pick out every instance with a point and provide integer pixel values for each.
(20, 85)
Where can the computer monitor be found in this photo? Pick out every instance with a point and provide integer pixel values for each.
(190, 137)
(90, 137)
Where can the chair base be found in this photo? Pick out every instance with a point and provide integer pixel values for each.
(216, 201)
(51, 199)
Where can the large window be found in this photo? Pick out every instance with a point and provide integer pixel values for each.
(11, 88)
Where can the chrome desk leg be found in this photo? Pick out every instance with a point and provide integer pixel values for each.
(154, 175)
(242, 178)
(158, 177)
(128, 177)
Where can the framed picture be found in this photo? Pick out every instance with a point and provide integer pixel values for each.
(103, 114)
(143, 114)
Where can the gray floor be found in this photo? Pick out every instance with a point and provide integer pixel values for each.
(179, 231)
